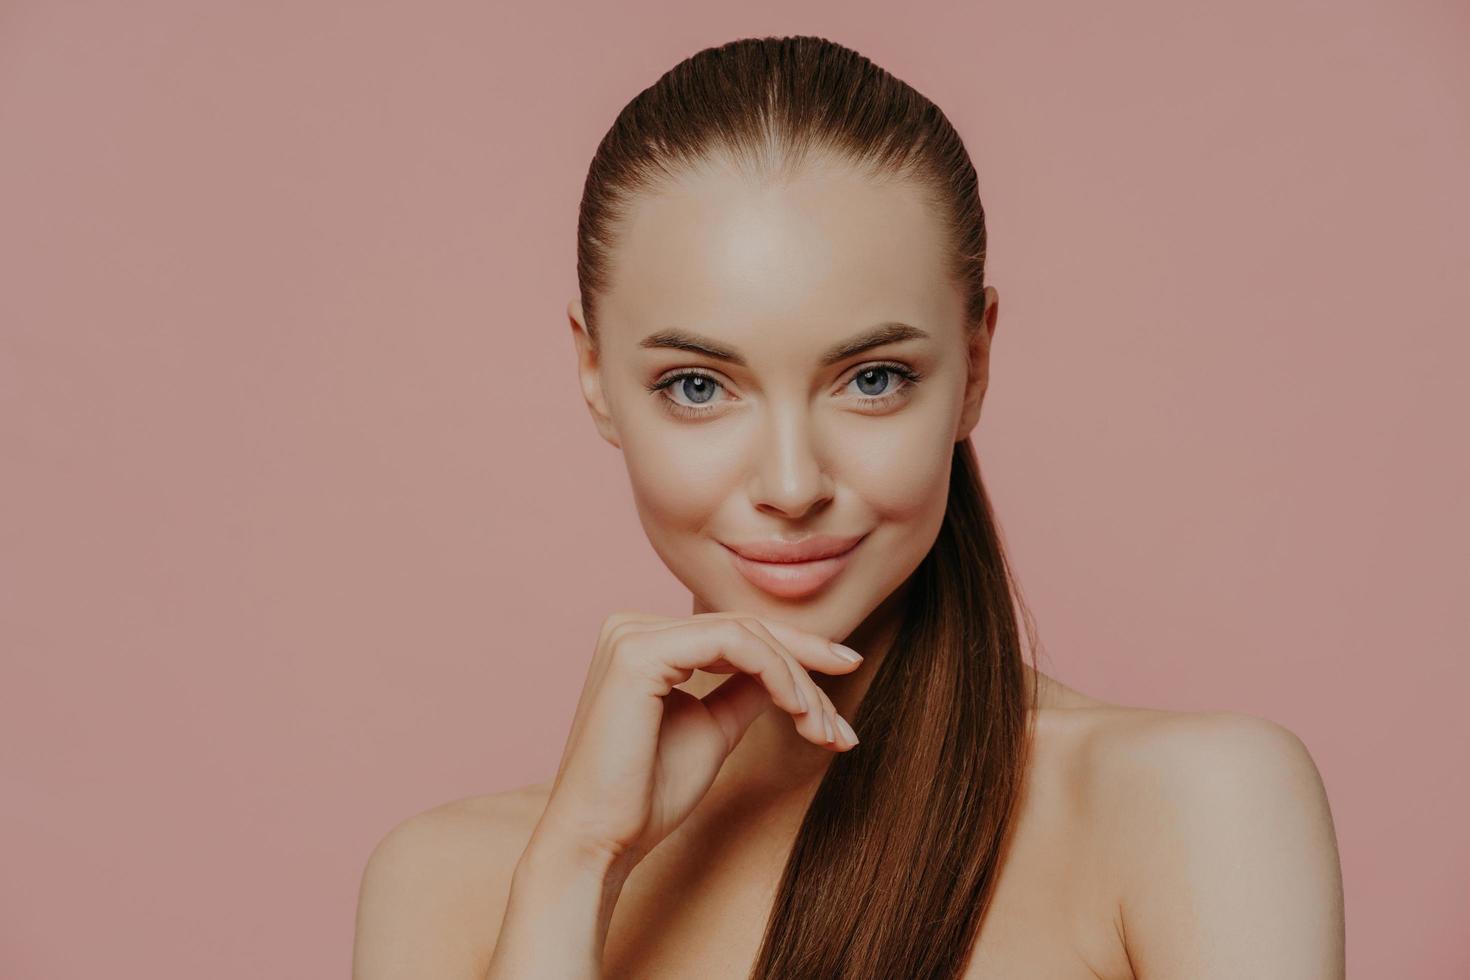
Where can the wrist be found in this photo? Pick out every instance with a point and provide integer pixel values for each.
(558, 869)
(553, 857)
(556, 919)
(561, 847)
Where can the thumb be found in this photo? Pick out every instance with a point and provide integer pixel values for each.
(736, 703)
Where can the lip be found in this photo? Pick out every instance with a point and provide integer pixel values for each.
(791, 570)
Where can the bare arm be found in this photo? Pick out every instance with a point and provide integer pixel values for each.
(556, 919)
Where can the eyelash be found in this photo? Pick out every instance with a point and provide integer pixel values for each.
(910, 377)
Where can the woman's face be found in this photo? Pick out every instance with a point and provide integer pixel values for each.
(739, 374)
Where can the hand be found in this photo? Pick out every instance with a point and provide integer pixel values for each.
(642, 753)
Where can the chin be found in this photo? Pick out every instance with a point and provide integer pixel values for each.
(833, 615)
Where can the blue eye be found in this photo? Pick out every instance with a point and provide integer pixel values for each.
(696, 386)
(877, 382)
(874, 381)
(880, 373)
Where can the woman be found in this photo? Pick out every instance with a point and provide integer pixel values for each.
(784, 326)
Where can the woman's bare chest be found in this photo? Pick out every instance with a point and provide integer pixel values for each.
(701, 908)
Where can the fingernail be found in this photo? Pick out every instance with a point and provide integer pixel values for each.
(847, 729)
(827, 727)
(846, 653)
(801, 699)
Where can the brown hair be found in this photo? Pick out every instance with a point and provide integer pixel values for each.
(896, 858)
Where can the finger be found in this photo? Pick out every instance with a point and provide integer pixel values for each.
(816, 724)
(670, 656)
(839, 741)
(832, 735)
(804, 650)
(735, 704)
(818, 653)
(614, 627)
(812, 651)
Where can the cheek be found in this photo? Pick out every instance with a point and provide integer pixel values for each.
(680, 480)
(901, 470)
(679, 477)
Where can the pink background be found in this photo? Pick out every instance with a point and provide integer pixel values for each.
(305, 528)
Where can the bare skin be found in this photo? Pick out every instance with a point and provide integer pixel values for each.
(1149, 844)
(1091, 886)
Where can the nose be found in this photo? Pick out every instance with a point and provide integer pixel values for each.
(789, 478)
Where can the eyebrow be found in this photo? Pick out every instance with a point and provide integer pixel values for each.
(890, 332)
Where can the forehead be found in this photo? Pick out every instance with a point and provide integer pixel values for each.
(820, 254)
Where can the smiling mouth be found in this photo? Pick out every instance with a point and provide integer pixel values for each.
(792, 579)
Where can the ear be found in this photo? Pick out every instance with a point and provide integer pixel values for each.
(589, 373)
(979, 366)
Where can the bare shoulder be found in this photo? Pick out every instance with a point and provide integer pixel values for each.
(1225, 857)
(434, 889)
